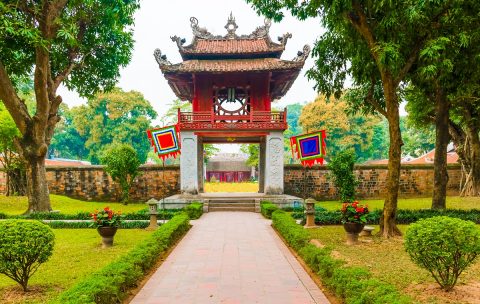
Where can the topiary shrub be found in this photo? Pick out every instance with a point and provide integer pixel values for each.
(444, 246)
(122, 163)
(342, 176)
(24, 245)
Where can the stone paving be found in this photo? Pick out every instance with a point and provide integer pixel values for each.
(230, 257)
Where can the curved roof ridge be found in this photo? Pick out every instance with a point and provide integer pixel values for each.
(257, 42)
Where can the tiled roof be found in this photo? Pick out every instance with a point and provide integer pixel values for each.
(429, 158)
(66, 162)
(232, 46)
(232, 65)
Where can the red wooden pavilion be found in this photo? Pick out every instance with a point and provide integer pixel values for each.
(231, 82)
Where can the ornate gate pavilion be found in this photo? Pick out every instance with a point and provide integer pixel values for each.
(231, 82)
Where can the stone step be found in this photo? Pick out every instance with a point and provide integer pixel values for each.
(241, 209)
(230, 204)
(231, 199)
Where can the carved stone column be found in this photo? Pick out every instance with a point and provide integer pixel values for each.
(189, 163)
(274, 163)
(200, 171)
(261, 166)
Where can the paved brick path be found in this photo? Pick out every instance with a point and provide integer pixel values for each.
(230, 257)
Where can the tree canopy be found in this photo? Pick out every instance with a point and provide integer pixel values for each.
(114, 117)
(81, 44)
(376, 43)
(344, 130)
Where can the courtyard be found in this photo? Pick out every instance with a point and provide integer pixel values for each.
(244, 151)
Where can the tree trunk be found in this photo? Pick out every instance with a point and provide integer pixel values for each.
(442, 139)
(37, 187)
(472, 186)
(388, 226)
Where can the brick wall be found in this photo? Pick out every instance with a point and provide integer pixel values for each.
(92, 183)
(415, 181)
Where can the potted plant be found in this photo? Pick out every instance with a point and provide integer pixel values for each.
(354, 218)
(107, 222)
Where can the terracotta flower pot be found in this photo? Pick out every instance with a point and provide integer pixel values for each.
(353, 229)
(107, 234)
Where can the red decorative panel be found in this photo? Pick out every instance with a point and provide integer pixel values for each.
(260, 120)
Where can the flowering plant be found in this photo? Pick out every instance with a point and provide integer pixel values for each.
(106, 218)
(354, 213)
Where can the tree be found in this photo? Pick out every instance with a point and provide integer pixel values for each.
(253, 152)
(13, 166)
(66, 141)
(114, 117)
(444, 91)
(376, 43)
(171, 116)
(122, 163)
(80, 44)
(344, 130)
(209, 150)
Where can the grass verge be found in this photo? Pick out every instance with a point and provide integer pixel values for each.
(352, 284)
(453, 202)
(16, 205)
(387, 261)
(111, 283)
(77, 253)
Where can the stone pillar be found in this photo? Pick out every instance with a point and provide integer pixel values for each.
(274, 163)
(200, 164)
(189, 163)
(261, 166)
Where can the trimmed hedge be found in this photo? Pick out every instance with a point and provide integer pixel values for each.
(194, 210)
(267, 208)
(88, 224)
(404, 216)
(139, 215)
(111, 283)
(352, 284)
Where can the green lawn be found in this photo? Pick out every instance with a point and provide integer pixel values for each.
(77, 253)
(453, 202)
(388, 261)
(18, 204)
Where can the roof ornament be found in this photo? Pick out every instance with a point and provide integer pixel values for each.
(180, 41)
(303, 55)
(231, 27)
(161, 59)
(261, 31)
(283, 39)
(199, 32)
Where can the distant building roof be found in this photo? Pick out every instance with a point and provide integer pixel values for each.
(224, 162)
(66, 162)
(376, 162)
(427, 158)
